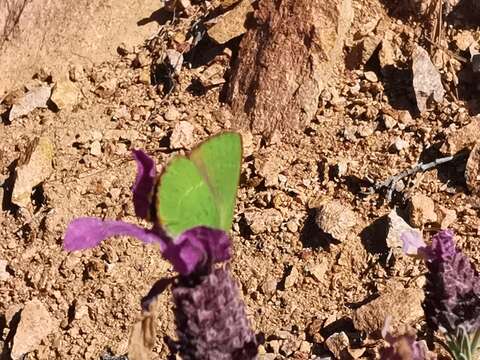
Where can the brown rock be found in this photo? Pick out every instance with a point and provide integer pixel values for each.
(421, 210)
(426, 79)
(4, 274)
(182, 136)
(36, 168)
(231, 24)
(35, 324)
(65, 94)
(463, 40)
(338, 344)
(445, 217)
(403, 305)
(464, 138)
(285, 62)
(35, 98)
(472, 171)
(262, 221)
(336, 219)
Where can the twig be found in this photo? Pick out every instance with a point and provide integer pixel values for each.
(391, 182)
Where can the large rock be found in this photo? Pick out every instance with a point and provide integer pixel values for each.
(35, 325)
(403, 305)
(55, 34)
(285, 61)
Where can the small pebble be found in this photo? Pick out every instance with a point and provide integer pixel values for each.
(291, 279)
(171, 114)
(400, 144)
(96, 148)
(371, 76)
(388, 121)
(292, 226)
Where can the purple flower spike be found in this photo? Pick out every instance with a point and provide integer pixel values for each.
(412, 242)
(452, 298)
(86, 233)
(443, 246)
(198, 248)
(144, 183)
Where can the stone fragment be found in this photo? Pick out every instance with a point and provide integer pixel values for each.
(445, 217)
(366, 130)
(171, 114)
(336, 219)
(268, 166)
(106, 88)
(463, 40)
(338, 344)
(36, 168)
(472, 170)
(269, 286)
(231, 24)
(262, 221)
(291, 278)
(462, 139)
(318, 271)
(34, 326)
(371, 76)
(427, 82)
(386, 54)
(96, 148)
(212, 76)
(4, 275)
(404, 305)
(399, 144)
(182, 136)
(64, 94)
(389, 121)
(421, 210)
(175, 60)
(35, 98)
(292, 226)
(396, 227)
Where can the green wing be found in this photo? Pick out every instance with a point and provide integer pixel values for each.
(201, 190)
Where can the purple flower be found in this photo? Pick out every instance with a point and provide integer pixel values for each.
(452, 295)
(210, 315)
(452, 298)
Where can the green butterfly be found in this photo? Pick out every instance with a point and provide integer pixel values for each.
(200, 190)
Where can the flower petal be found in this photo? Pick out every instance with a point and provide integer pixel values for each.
(198, 248)
(85, 233)
(144, 183)
(412, 242)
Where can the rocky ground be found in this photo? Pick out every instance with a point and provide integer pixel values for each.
(316, 248)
